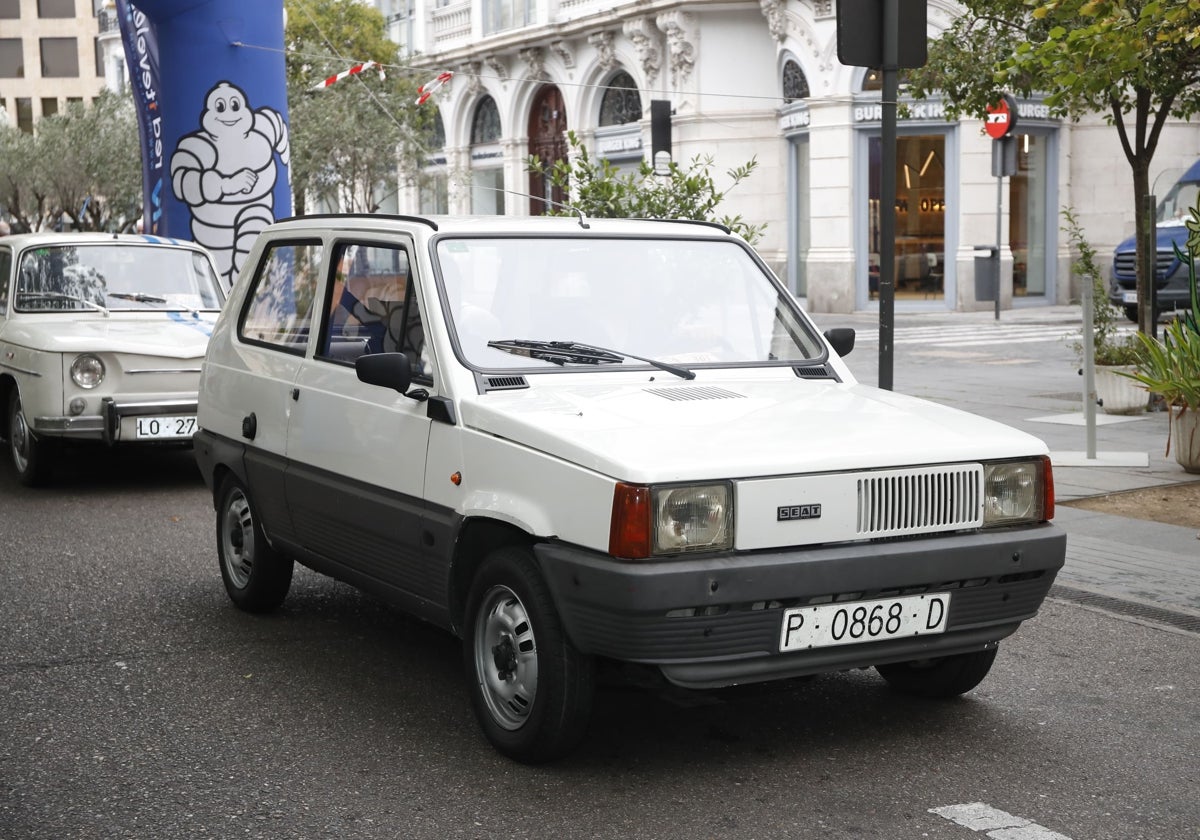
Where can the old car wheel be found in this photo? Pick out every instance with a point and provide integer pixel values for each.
(530, 688)
(256, 577)
(947, 676)
(31, 458)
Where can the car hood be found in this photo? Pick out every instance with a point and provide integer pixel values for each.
(733, 428)
(181, 335)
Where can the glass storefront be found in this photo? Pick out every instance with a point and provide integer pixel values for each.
(920, 249)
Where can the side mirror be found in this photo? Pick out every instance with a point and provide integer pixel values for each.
(842, 339)
(388, 370)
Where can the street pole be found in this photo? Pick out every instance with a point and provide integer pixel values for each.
(1089, 368)
(887, 192)
(999, 219)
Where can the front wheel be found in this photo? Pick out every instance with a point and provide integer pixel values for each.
(530, 688)
(947, 676)
(256, 576)
(1131, 313)
(31, 458)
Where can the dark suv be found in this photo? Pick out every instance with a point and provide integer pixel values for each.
(1170, 274)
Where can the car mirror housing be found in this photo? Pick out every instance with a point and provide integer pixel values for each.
(389, 370)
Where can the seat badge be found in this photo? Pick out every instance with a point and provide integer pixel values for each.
(787, 513)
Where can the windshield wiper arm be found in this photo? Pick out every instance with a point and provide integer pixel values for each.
(572, 352)
(95, 307)
(140, 297)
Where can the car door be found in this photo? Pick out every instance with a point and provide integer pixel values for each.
(257, 376)
(356, 452)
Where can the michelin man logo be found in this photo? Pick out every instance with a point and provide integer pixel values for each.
(226, 174)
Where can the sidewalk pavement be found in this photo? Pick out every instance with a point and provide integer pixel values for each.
(1016, 370)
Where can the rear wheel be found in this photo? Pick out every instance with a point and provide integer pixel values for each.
(256, 576)
(947, 676)
(530, 688)
(32, 459)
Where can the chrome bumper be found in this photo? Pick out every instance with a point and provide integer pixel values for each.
(107, 424)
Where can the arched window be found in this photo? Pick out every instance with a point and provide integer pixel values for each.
(485, 128)
(621, 103)
(795, 85)
(873, 79)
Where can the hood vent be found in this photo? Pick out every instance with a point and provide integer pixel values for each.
(816, 372)
(500, 383)
(685, 394)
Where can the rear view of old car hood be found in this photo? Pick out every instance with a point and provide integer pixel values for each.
(715, 426)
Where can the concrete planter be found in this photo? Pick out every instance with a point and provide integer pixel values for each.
(1185, 437)
(1119, 394)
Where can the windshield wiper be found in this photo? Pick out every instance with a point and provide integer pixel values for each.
(62, 296)
(140, 297)
(572, 352)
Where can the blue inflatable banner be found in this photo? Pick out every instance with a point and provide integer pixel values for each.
(209, 85)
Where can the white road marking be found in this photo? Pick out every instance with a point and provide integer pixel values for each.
(997, 824)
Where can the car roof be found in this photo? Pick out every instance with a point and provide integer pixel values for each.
(501, 225)
(50, 238)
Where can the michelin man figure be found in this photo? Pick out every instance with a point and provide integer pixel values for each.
(226, 174)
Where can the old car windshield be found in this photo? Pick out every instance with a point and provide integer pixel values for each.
(116, 277)
(686, 302)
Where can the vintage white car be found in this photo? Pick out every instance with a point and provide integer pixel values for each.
(572, 440)
(101, 339)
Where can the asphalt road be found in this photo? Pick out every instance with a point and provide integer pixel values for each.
(135, 701)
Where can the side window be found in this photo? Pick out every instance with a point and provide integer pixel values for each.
(5, 271)
(372, 307)
(280, 301)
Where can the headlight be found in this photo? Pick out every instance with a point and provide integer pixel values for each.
(1017, 491)
(652, 521)
(87, 371)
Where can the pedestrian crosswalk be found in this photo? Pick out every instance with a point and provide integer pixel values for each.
(980, 334)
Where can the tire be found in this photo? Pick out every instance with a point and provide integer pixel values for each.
(32, 459)
(256, 576)
(1131, 312)
(530, 688)
(938, 679)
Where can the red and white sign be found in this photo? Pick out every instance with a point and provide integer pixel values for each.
(1001, 117)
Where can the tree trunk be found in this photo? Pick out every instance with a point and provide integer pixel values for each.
(1146, 248)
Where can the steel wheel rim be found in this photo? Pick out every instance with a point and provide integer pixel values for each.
(237, 540)
(19, 438)
(506, 658)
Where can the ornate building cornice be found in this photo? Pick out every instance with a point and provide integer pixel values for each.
(603, 42)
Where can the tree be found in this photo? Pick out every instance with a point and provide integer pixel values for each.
(80, 166)
(351, 140)
(598, 189)
(1137, 61)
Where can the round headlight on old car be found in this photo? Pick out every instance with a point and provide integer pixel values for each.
(694, 518)
(87, 371)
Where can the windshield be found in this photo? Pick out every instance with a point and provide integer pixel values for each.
(114, 276)
(683, 301)
(1180, 199)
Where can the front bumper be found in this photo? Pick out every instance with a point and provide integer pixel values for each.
(716, 621)
(115, 421)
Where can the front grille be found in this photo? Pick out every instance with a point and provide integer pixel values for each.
(920, 501)
(1125, 265)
